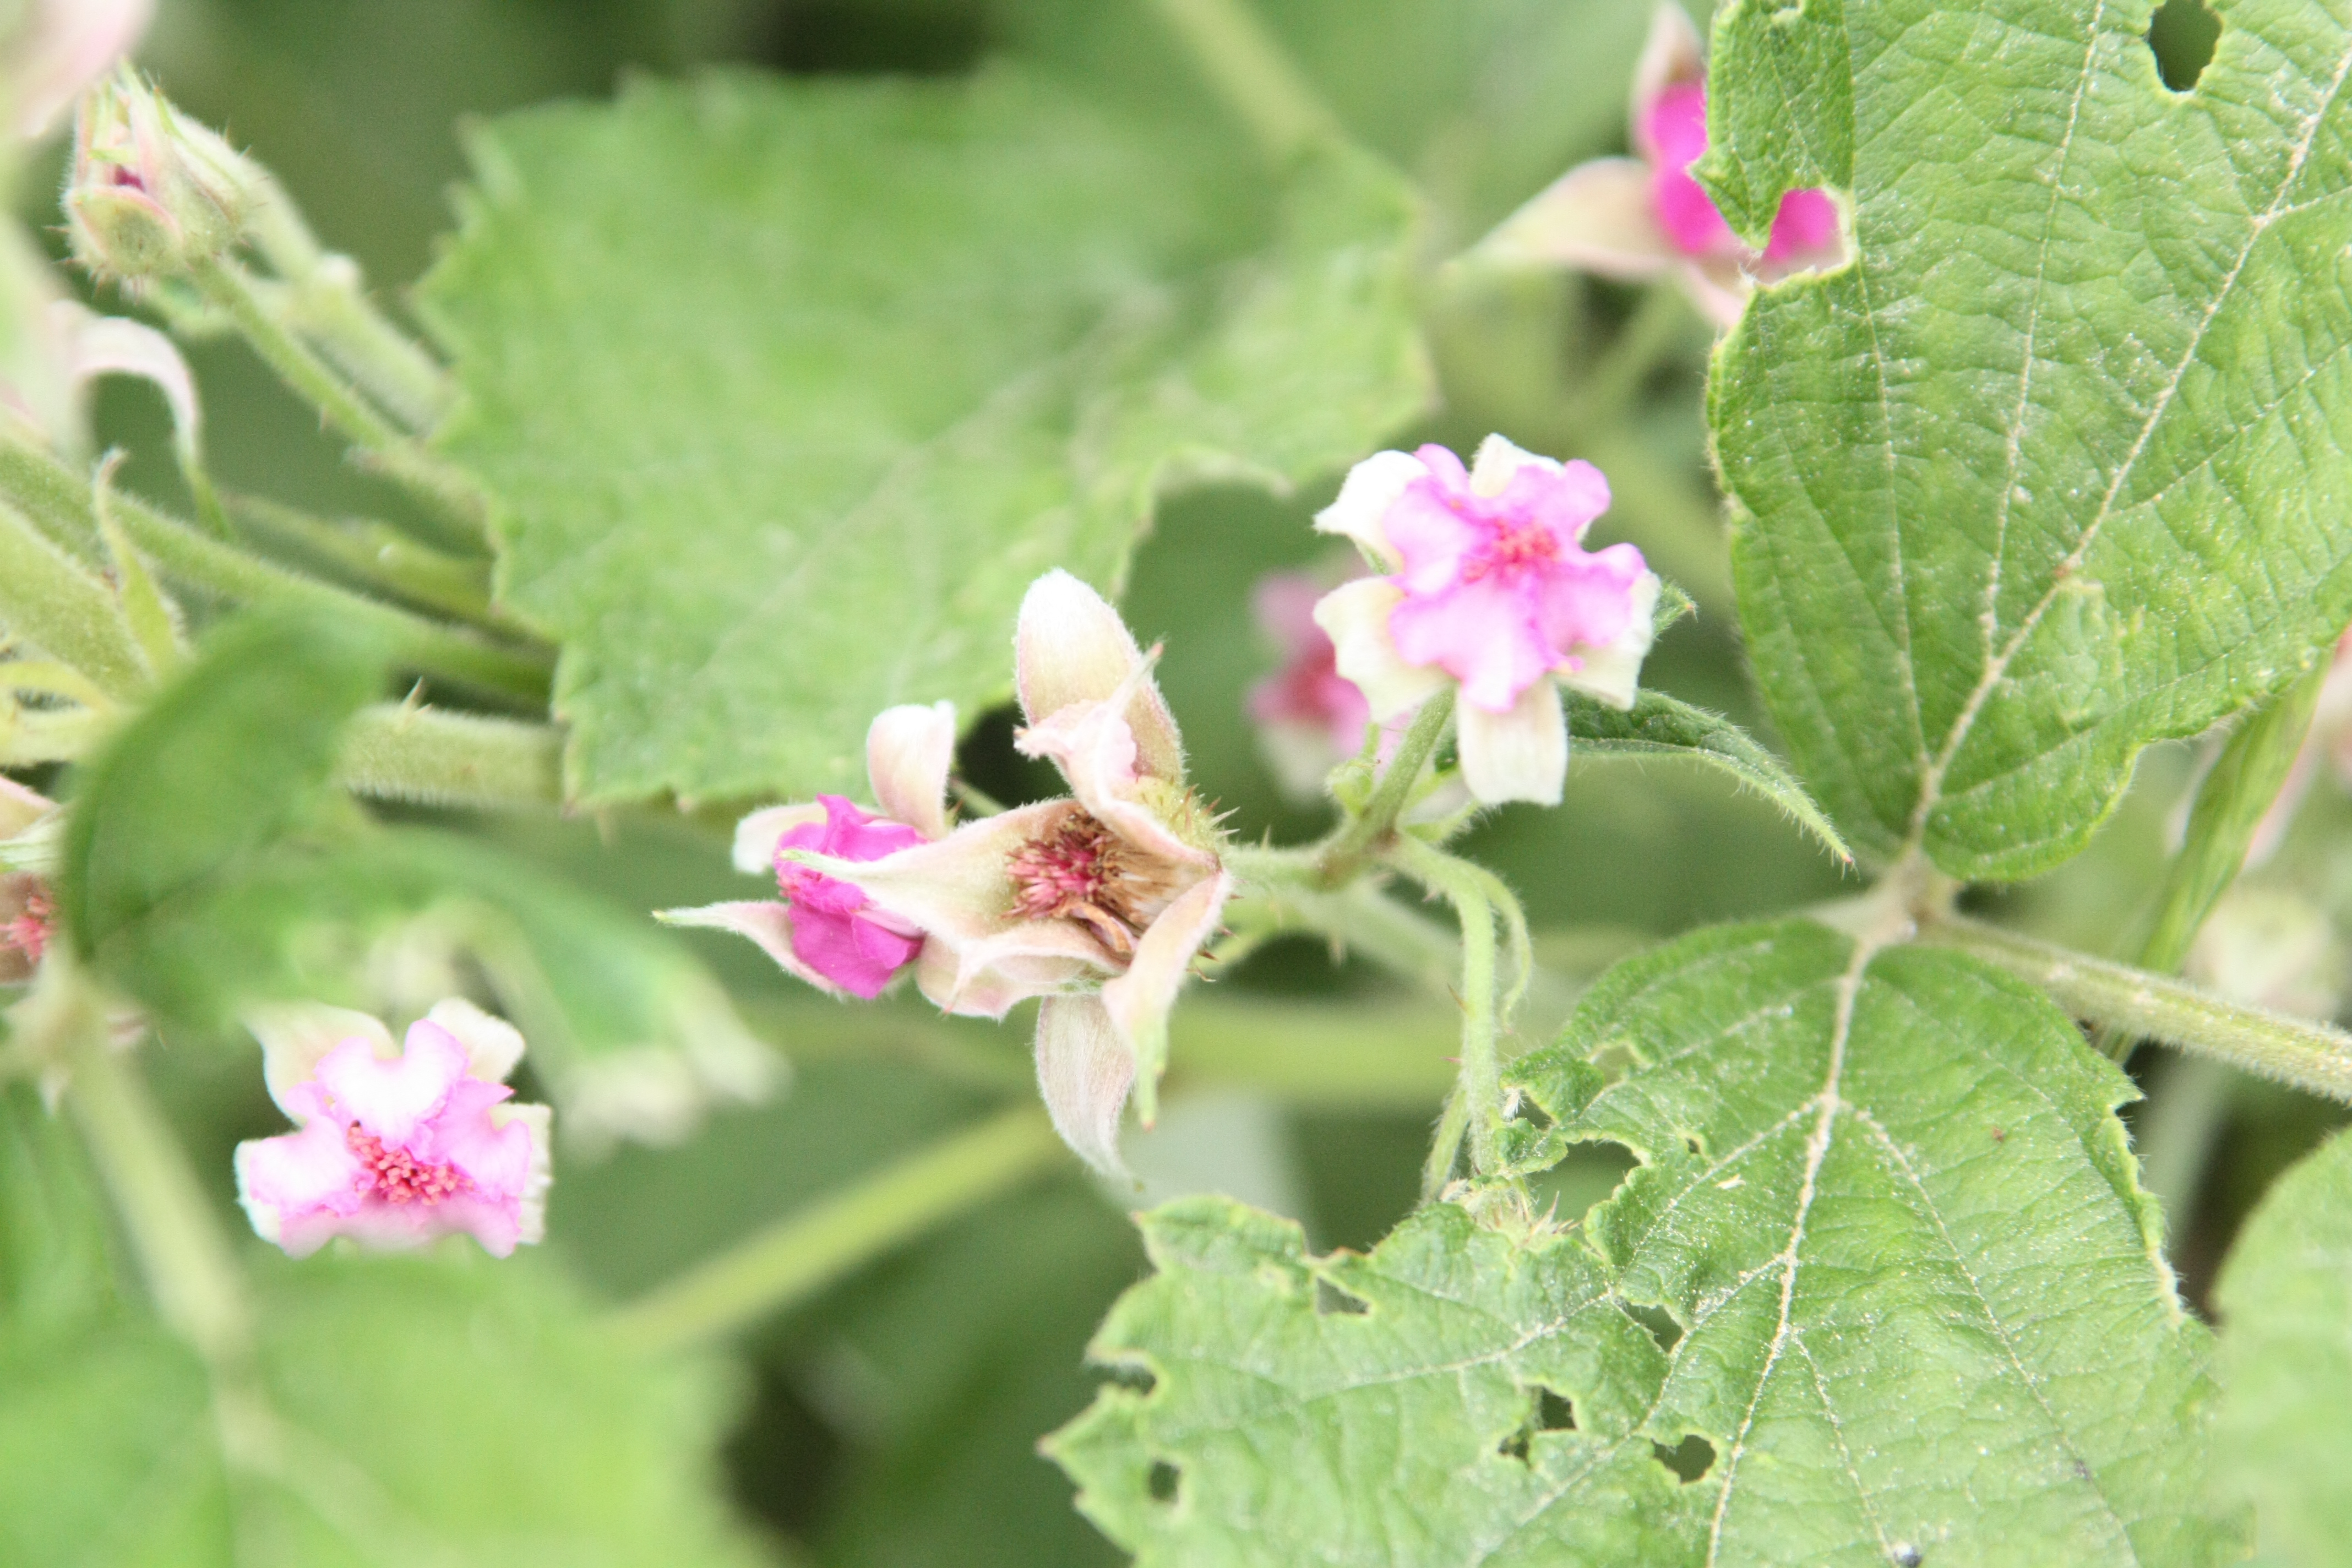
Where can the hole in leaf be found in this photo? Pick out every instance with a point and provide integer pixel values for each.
(1547, 1412)
(1161, 1481)
(1330, 1299)
(2183, 36)
(1587, 1175)
(1690, 1459)
(1659, 1321)
(1139, 1378)
(1691, 1141)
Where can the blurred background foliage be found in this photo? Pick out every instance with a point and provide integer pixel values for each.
(893, 1421)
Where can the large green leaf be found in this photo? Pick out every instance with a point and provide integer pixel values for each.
(417, 1412)
(1905, 1292)
(2287, 1351)
(2059, 467)
(789, 389)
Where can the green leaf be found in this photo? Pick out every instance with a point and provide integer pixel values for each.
(1907, 1296)
(2056, 468)
(218, 766)
(456, 1414)
(1658, 725)
(860, 360)
(2286, 1296)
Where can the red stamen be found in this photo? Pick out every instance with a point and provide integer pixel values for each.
(28, 933)
(398, 1176)
(1074, 865)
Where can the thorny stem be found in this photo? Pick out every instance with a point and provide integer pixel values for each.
(1480, 1089)
(793, 1260)
(1251, 71)
(1364, 837)
(389, 448)
(2313, 1056)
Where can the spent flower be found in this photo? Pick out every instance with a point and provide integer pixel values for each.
(1485, 585)
(1636, 218)
(395, 1145)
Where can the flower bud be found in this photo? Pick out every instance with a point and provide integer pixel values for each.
(151, 193)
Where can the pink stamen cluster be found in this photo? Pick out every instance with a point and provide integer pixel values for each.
(1071, 866)
(30, 931)
(835, 929)
(1676, 124)
(399, 1176)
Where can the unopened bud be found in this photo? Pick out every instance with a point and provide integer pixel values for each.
(151, 193)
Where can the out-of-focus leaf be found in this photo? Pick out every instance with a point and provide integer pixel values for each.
(2285, 1297)
(54, 1265)
(436, 1411)
(2057, 466)
(869, 357)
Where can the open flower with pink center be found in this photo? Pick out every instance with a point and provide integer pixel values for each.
(1097, 901)
(396, 1144)
(1635, 218)
(1487, 587)
(823, 930)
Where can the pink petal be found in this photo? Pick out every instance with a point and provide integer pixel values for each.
(292, 1186)
(1565, 500)
(392, 1099)
(1484, 633)
(767, 923)
(1677, 130)
(1284, 604)
(1670, 56)
(1807, 221)
(851, 951)
(1586, 599)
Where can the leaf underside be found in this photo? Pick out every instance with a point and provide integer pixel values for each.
(868, 357)
(2059, 466)
(1885, 1257)
(1658, 725)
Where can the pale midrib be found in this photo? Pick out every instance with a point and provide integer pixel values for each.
(1931, 781)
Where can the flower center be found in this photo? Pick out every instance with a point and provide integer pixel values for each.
(1515, 548)
(1077, 871)
(28, 933)
(398, 1176)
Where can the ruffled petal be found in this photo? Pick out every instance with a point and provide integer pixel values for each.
(1498, 461)
(908, 751)
(1071, 647)
(856, 955)
(1361, 510)
(530, 1203)
(763, 921)
(1355, 616)
(391, 1100)
(1484, 633)
(757, 834)
(1598, 217)
(1612, 671)
(1139, 1000)
(295, 1187)
(1084, 1073)
(493, 1046)
(295, 1037)
(1521, 754)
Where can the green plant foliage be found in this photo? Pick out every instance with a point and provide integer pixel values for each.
(868, 358)
(2056, 468)
(447, 1413)
(2287, 1351)
(1885, 1225)
(1658, 725)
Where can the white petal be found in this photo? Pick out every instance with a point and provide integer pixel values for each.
(1362, 509)
(114, 345)
(1097, 752)
(1084, 1073)
(1138, 1001)
(757, 836)
(956, 889)
(769, 924)
(1598, 217)
(1614, 673)
(493, 1046)
(1670, 56)
(1521, 754)
(295, 1036)
(1071, 647)
(530, 1219)
(908, 751)
(1498, 459)
(1355, 616)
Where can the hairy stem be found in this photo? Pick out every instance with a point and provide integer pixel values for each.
(1364, 837)
(793, 1259)
(396, 751)
(379, 555)
(2312, 1057)
(1481, 1085)
(1253, 74)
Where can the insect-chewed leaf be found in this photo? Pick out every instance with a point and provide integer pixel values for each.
(2059, 466)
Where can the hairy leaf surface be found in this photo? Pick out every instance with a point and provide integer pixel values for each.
(1906, 1294)
(2059, 466)
(866, 358)
(2286, 1353)
(1661, 726)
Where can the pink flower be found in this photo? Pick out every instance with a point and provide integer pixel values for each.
(1097, 902)
(1636, 217)
(1487, 587)
(1311, 718)
(27, 916)
(826, 932)
(394, 1146)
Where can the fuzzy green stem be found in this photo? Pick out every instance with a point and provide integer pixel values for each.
(388, 447)
(52, 496)
(2311, 1057)
(793, 1260)
(53, 600)
(1365, 836)
(396, 751)
(1481, 1087)
(380, 555)
(1253, 73)
(1359, 919)
(1446, 1143)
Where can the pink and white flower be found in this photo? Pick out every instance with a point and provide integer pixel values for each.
(1098, 901)
(1635, 218)
(395, 1146)
(825, 931)
(1486, 587)
(1309, 717)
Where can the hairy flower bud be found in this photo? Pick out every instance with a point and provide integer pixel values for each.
(151, 193)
